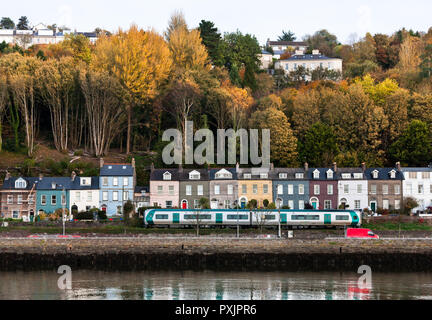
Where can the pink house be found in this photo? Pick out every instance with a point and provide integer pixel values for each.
(164, 188)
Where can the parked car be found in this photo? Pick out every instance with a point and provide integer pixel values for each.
(353, 233)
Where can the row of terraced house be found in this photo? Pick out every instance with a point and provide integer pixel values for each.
(295, 188)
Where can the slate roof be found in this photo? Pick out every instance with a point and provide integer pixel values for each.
(60, 182)
(291, 172)
(323, 174)
(10, 183)
(76, 184)
(288, 43)
(383, 174)
(255, 173)
(116, 170)
(306, 57)
(212, 173)
(141, 189)
(157, 174)
(425, 169)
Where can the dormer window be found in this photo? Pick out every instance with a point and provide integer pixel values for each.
(283, 175)
(20, 184)
(247, 176)
(330, 174)
(223, 174)
(167, 176)
(375, 174)
(299, 175)
(393, 174)
(85, 181)
(53, 185)
(194, 175)
(109, 167)
(316, 174)
(346, 176)
(264, 175)
(358, 175)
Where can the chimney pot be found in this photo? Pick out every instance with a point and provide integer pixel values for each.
(73, 175)
(237, 167)
(133, 162)
(152, 167)
(363, 166)
(306, 167)
(40, 176)
(398, 166)
(335, 168)
(101, 162)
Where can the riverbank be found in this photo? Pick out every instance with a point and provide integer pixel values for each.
(177, 253)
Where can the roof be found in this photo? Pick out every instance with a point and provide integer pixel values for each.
(212, 173)
(184, 175)
(425, 169)
(141, 189)
(46, 183)
(288, 43)
(323, 174)
(117, 170)
(255, 172)
(157, 174)
(291, 172)
(305, 57)
(383, 174)
(76, 184)
(10, 183)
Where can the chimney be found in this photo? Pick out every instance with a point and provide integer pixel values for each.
(363, 166)
(101, 162)
(398, 166)
(306, 167)
(237, 167)
(8, 175)
(180, 168)
(152, 167)
(73, 175)
(272, 166)
(335, 168)
(133, 162)
(40, 176)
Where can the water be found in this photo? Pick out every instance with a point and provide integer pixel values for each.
(213, 286)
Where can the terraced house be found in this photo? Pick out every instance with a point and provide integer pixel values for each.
(223, 188)
(18, 198)
(323, 188)
(84, 193)
(194, 185)
(290, 187)
(164, 188)
(352, 188)
(417, 184)
(52, 194)
(254, 183)
(385, 188)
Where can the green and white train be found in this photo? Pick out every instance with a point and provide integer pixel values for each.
(289, 218)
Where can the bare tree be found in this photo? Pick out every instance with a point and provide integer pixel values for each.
(105, 112)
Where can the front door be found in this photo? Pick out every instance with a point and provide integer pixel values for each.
(327, 219)
(184, 205)
(373, 206)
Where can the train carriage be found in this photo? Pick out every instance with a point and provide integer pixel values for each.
(254, 218)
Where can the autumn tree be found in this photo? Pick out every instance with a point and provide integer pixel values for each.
(78, 46)
(3, 104)
(140, 59)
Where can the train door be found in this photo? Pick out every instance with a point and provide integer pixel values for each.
(327, 219)
(283, 217)
(176, 218)
(219, 218)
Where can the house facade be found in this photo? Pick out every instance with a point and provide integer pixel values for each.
(280, 47)
(18, 198)
(141, 197)
(385, 188)
(194, 185)
(352, 188)
(254, 183)
(223, 188)
(84, 193)
(116, 186)
(323, 188)
(290, 188)
(164, 188)
(52, 194)
(417, 184)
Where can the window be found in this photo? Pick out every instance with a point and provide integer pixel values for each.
(420, 189)
(217, 189)
(89, 196)
(31, 199)
(316, 189)
(346, 188)
(78, 196)
(115, 195)
(255, 189)
(196, 204)
(105, 181)
(264, 175)
(265, 189)
(171, 190)
(412, 175)
(20, 184)
(301, 189)
(115, 181)
(200, 190)
(393, 174)
(290, 189)
(160, 189)
(247, 176)
(291, 204)
(316, 174)
(358, 175)
(53, 200)
(305, 217)
(329, 189)
(397, 204)
(223, 175)
(125, 181)
(373, 189)
(283, 176)
(161, 217)
(227, 204)
(386, 205)
(230, 189)
(244, 188)
(194, 175)
(359, 188)
(43, 200)
(239, 217)
(301, 205)
(397, 189)
(15, 214)
(327, 204)
(385, 189)
(280, 189)
(125, 195)
(168, 204)
(346, 176)
(199, 217)
(375, 174)
(105, 196)
(19, 199)
(330, 174)
(409, 188)
(357, 204)
(188, 190)
(342, 218)
(167, 176)
(425, 175)
(299, 175)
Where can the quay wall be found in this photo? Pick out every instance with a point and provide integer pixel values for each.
(134, 254)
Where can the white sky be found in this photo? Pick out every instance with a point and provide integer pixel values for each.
(264, 19)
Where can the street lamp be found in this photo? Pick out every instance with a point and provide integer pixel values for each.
(279, 222)
(238, 227)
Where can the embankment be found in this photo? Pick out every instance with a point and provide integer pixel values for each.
(215, 254)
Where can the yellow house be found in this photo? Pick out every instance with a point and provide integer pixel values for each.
(254, 184)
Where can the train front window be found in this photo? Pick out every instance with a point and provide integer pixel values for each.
(342, 218)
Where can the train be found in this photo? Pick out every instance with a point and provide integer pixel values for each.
(252, 218)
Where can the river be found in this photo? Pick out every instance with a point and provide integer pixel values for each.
(213, 286)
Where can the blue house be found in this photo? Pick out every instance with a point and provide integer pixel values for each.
(290, 188)
(52, 194)
(117, 184)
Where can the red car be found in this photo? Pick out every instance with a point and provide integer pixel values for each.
(360, 234)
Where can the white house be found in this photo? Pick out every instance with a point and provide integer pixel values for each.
(266, 59)
(84, 193)
(352, 188)
(280, 47)
(310, 62)
(418, 185)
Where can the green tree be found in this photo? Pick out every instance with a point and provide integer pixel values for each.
(287, 36)
(324, 41)
(414, 146)
(7, 23)
(211, 38)
(319, 147)
(23, 23)
(426, 62)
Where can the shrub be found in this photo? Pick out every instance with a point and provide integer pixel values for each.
(84, 216)
(102, 215)
(128, 209)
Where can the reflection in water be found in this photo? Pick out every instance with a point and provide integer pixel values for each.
(214, 286)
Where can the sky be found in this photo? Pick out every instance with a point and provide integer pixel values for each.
(265, 19)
